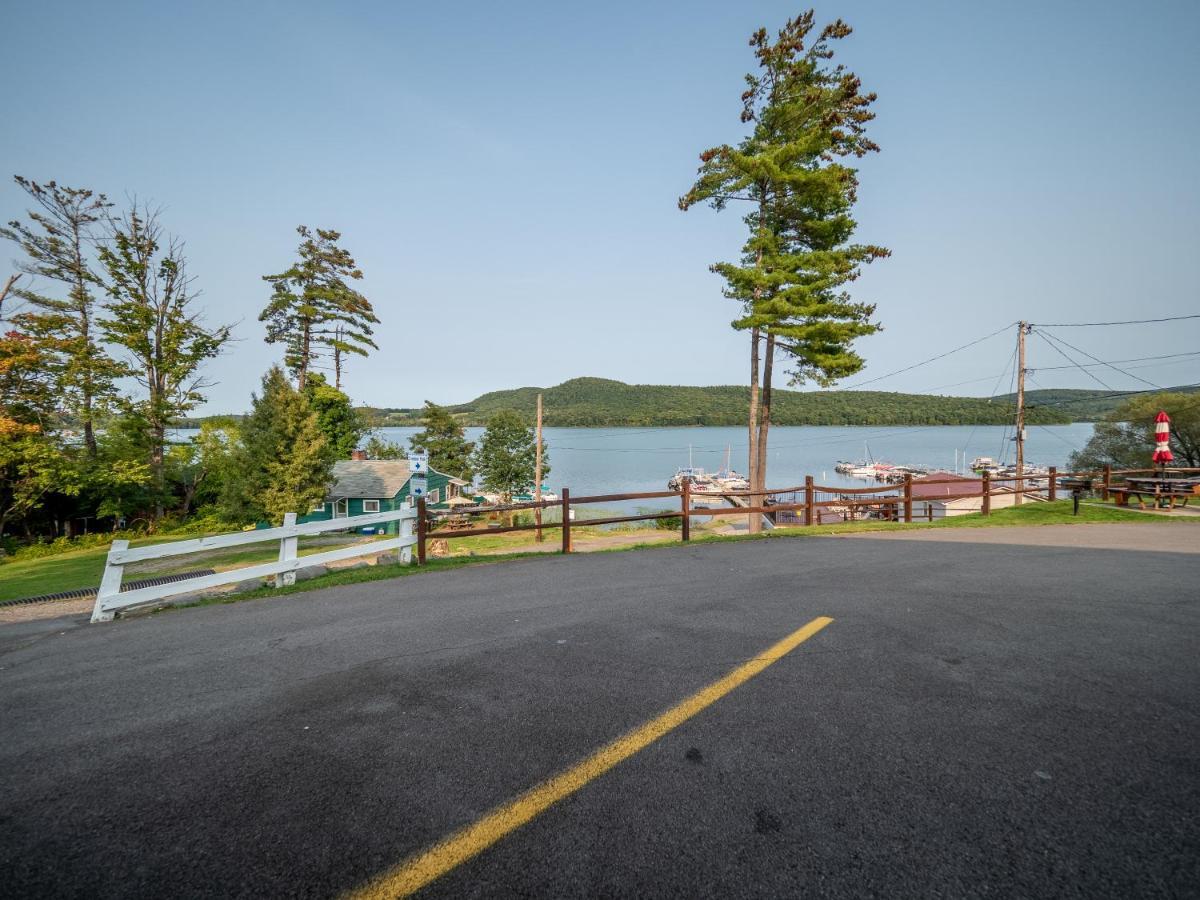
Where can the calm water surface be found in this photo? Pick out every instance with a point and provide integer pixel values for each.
(611, 460)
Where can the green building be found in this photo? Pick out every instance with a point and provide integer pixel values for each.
(363, 486)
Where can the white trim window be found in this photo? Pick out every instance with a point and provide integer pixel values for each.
(370, 506)
(318, 508)
(435, 496)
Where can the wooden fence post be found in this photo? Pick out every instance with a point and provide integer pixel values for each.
(288, 548)
(1107, 481)
(685, 499)
(907, 496)
(1053, 495)
(987, 493)
(422, 530)
(808, 500)
(566, 520)
(110, 584)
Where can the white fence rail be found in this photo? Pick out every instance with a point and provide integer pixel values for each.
(109, 599)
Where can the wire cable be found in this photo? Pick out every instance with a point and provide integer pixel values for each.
(926, 362)
(1054, 346)
(1127, 322)
(1059, 340)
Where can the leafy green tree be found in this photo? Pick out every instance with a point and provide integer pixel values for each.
(57, 242)
(805, 116)
(507, 454)
(339, 421)
(445, 442)
(33, 459)
(151, 316)
(32, 466)
(379, 448)
(199, 469)
(282, 464)
(312, 306)
(1124, 439)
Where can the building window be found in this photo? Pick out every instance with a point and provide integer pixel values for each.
(318, 507)
(451, 490)
(370, 506)
(434, 496)
(408, 501)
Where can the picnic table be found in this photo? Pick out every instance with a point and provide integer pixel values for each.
(1161, 489)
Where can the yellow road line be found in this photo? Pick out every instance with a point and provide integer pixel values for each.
(419, 870)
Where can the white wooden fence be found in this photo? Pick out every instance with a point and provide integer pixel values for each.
(109, 599)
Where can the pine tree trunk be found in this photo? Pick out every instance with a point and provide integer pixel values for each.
(764, 416)
(302, 367)
(755, 524)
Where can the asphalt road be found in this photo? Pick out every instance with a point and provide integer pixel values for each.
(979, 720)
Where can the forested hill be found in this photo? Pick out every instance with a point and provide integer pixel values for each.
(601, 402)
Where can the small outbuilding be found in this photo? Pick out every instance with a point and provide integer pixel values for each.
(938, 500)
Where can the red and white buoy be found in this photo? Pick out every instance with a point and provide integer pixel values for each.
(1162, 439)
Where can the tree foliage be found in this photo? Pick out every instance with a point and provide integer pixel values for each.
(601, 402)
(506, 457)
(445, 442)
(150, 315)
(805, 115)
(1125, 438)
(282, 464)
(340, 423)
(57, 242)
(313, 308)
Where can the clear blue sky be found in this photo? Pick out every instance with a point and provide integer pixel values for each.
(506, 174)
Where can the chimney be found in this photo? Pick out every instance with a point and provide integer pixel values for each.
(358, 454)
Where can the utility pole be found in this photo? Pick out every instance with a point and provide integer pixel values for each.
(537, 477)
(1022, 330)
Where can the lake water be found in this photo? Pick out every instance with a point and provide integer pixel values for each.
(630, 460)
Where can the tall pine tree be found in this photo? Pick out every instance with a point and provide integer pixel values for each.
(313, 309)
(58, 242)
(805, 116)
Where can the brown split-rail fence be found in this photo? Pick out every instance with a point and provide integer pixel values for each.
(807, 504)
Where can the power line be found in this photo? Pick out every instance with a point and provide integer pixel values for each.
(1089, 356)
(1045, 336)
(1111, 361)
(1127, 322)
(930, 360)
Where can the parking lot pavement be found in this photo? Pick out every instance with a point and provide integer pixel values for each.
(977, 720)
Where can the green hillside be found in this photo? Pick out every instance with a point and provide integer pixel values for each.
(601, 402)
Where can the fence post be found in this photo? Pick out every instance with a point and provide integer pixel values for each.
(808, 500)
(987, 493)
(908, 496)
(1053, 495)
(422, 528)
(110, 584)
(406, 531)
(685, 502)
(1107, 481)
(566, 520)
(288, 548)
